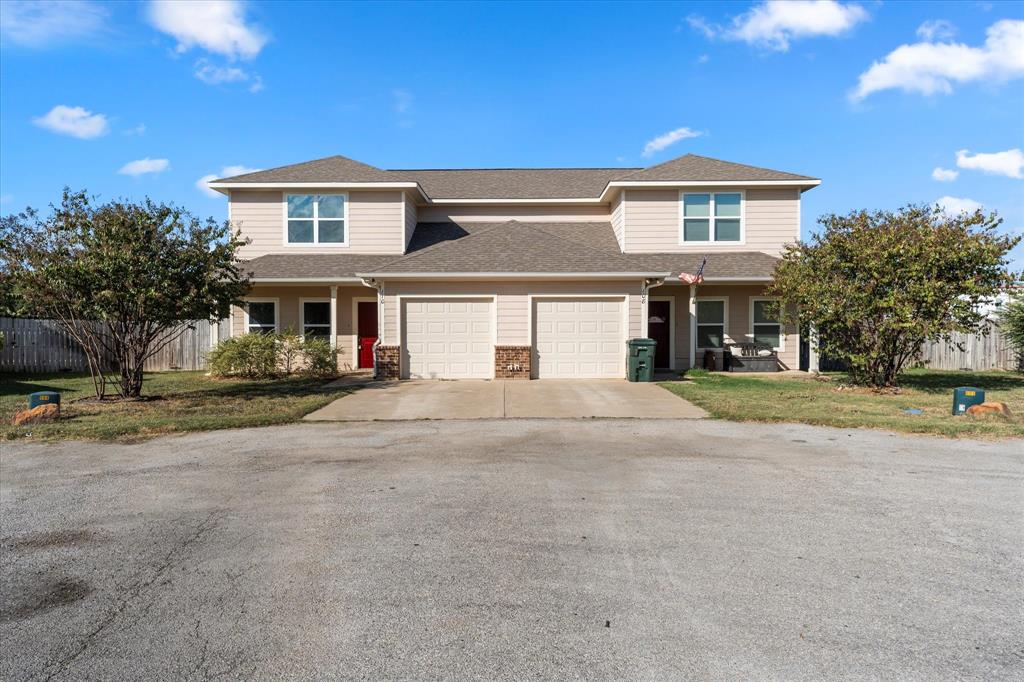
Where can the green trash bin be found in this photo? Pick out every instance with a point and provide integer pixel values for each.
(640, 359)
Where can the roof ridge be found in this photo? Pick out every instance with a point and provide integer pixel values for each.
(434, 247)
(301, 163)
(659, 165)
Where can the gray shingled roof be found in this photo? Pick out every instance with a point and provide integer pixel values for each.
(510, 247)
(515, 183)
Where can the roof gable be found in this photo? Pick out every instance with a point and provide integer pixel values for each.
(693, 168)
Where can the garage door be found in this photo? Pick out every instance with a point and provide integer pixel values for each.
(448, 338)
(579, 338)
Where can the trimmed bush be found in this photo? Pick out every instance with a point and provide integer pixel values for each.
(261, 356)
(318, 358)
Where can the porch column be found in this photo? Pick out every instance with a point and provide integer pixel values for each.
(334, 318)
(693, 326)
(812, 345)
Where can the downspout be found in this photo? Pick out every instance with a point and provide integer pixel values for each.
(645, 288)
(379, 288)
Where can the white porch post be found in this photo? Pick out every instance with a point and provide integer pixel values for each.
(693, 325)
(812, 344)
(644, 294)
(334, 318)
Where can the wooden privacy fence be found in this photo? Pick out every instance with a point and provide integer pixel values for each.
(42, 346)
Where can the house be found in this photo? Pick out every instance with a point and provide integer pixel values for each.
(516, 273)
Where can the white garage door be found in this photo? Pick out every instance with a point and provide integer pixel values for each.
(579, 338)
(448, 338)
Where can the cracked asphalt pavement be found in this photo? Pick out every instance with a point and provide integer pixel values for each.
(598, 549)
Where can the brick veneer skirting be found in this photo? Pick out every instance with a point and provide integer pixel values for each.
(512, 362)
(388, 362)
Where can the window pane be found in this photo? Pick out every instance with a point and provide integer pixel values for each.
(727, 205)
(710, 336)
(710, 311)
(331, 206)
(300, 231)
(332, 231)
(300, 205)
(766, 335)
(261, 314)
(317, 332)
(696, 205)
(766, 311)
(316, 312)
(695, 230)
(727, 230)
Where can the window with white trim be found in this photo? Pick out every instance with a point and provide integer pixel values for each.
(316, 219)
(766, 322)
(261, 317)
(710, 324)
(712, 217)
(316, 319)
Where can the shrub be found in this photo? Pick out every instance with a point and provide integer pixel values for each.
(250, 355)
(319, 358)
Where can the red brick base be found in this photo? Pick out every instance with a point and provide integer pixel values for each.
(388, 362)
(512, 362)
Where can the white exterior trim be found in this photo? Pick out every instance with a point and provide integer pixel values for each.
(225, 187)
(441, 297)
(316, 222)
(305, 280)
(671, 327)
(781, 348)
(277, 312)
(621, 184)
(302, 313)
(712, 219)
(356, 300)
(511, 275)
(726, 339)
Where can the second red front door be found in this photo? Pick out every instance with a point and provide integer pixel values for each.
(366, 333)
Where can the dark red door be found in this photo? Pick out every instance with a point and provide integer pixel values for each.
(659, 326)
(367, 332)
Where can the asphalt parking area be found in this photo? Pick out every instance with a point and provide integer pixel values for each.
(507, 549)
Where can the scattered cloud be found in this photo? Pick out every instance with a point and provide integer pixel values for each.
(703, 59)
(930, 68)
(668, 139)
(1009, 163)
(774, 24)
(73, 121)
(217, 26)
(144, 167)
(138, 130)
(225, 172)
(944, 174)
(402, 100)
(954, 206)
(936, 29)
(212, 74)
(48, 23)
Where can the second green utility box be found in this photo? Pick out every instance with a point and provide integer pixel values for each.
(640, 359)
(965, 396)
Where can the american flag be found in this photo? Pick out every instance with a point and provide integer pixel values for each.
(687, 278)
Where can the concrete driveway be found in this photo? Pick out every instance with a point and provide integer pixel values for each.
(572, 399)
(513, 549)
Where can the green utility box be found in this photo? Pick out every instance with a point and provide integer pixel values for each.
(43, 398)
(965, 396)
(640, 359)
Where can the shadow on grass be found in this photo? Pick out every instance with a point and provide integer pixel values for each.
(22, 386)
(935, 381)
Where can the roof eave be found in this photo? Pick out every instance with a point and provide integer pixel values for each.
(615, 185)
(512, 275)
(224, 187)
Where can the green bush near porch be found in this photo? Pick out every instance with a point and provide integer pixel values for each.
(834, 402)
(179, 402)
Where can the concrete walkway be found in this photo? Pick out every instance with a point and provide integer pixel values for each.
(613, 398)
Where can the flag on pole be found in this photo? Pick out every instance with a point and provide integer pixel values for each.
(687, 278)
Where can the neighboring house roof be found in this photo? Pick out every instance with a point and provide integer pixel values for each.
(495, 184)
(511, 247)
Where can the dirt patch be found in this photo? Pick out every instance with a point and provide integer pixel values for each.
(42, 598)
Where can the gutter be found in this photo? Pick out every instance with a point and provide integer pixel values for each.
(514, 275)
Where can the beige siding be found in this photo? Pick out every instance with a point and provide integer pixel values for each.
(771, 220)
(411, 218)
(513, 309)
(618, 218)
(288, 312)
(374, 225)
(523, 212)
(738, 328)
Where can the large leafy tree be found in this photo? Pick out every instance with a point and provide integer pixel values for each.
(877, 284)
(122, 278)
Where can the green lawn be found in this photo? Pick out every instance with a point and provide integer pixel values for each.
(180, 401)
(834, 403)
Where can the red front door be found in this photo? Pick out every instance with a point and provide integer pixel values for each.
(366, 334)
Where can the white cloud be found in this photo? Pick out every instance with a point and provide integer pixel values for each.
(216, 26)
(137, 130)
(212, 74)
(703, 59)
(944, 174)
(403, 100)
(1009, 163)
(73, 121)
(775, 23)
(936, 29)
(954, 206)
(930, 68)
(225, 172)
(144, 167)
(48, 23)
(670, 138)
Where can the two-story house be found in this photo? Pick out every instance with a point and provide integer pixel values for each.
(515, 273)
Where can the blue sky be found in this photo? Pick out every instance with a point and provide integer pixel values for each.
(889, 103)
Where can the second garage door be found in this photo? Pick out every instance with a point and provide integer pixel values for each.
(581, 338)
(448, 338)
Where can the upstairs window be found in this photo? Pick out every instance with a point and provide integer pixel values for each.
(766, 322)
(316, 219)
(712, 217)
